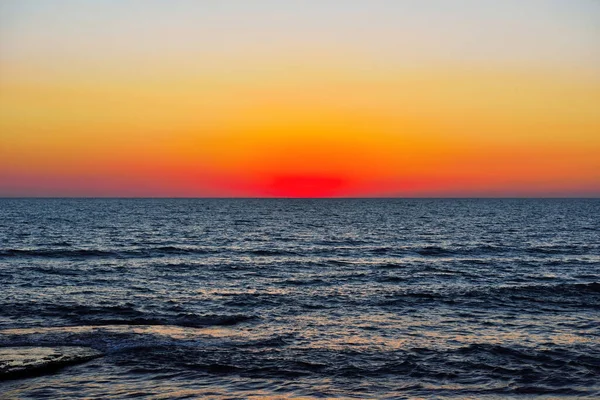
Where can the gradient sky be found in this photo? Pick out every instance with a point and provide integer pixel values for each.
(300, 98)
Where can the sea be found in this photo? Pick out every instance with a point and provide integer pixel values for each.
(303, 298)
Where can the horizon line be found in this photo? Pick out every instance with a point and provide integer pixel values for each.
(593, 197)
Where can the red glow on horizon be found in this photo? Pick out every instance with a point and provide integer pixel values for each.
(305, 186)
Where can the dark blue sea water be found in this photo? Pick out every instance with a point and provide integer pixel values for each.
(191, 298)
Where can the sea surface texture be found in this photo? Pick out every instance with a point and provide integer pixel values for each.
(341, 298)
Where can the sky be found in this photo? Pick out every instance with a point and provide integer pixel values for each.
(300, 98)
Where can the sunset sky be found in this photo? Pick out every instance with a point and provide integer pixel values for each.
(294, 98)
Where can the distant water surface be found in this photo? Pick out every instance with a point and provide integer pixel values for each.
(343, 298)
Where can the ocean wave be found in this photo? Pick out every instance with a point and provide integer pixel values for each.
(56, 253)
(179, 250)
(269, 252)
(586, 295)
(401, 251)
(125, 314)
(25, 362)
(435, 251)
(562, 289)
(491, 250)
(183, 320)
(491, 368)
(98, 253)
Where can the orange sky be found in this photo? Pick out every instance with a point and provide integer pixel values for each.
(100, 109)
